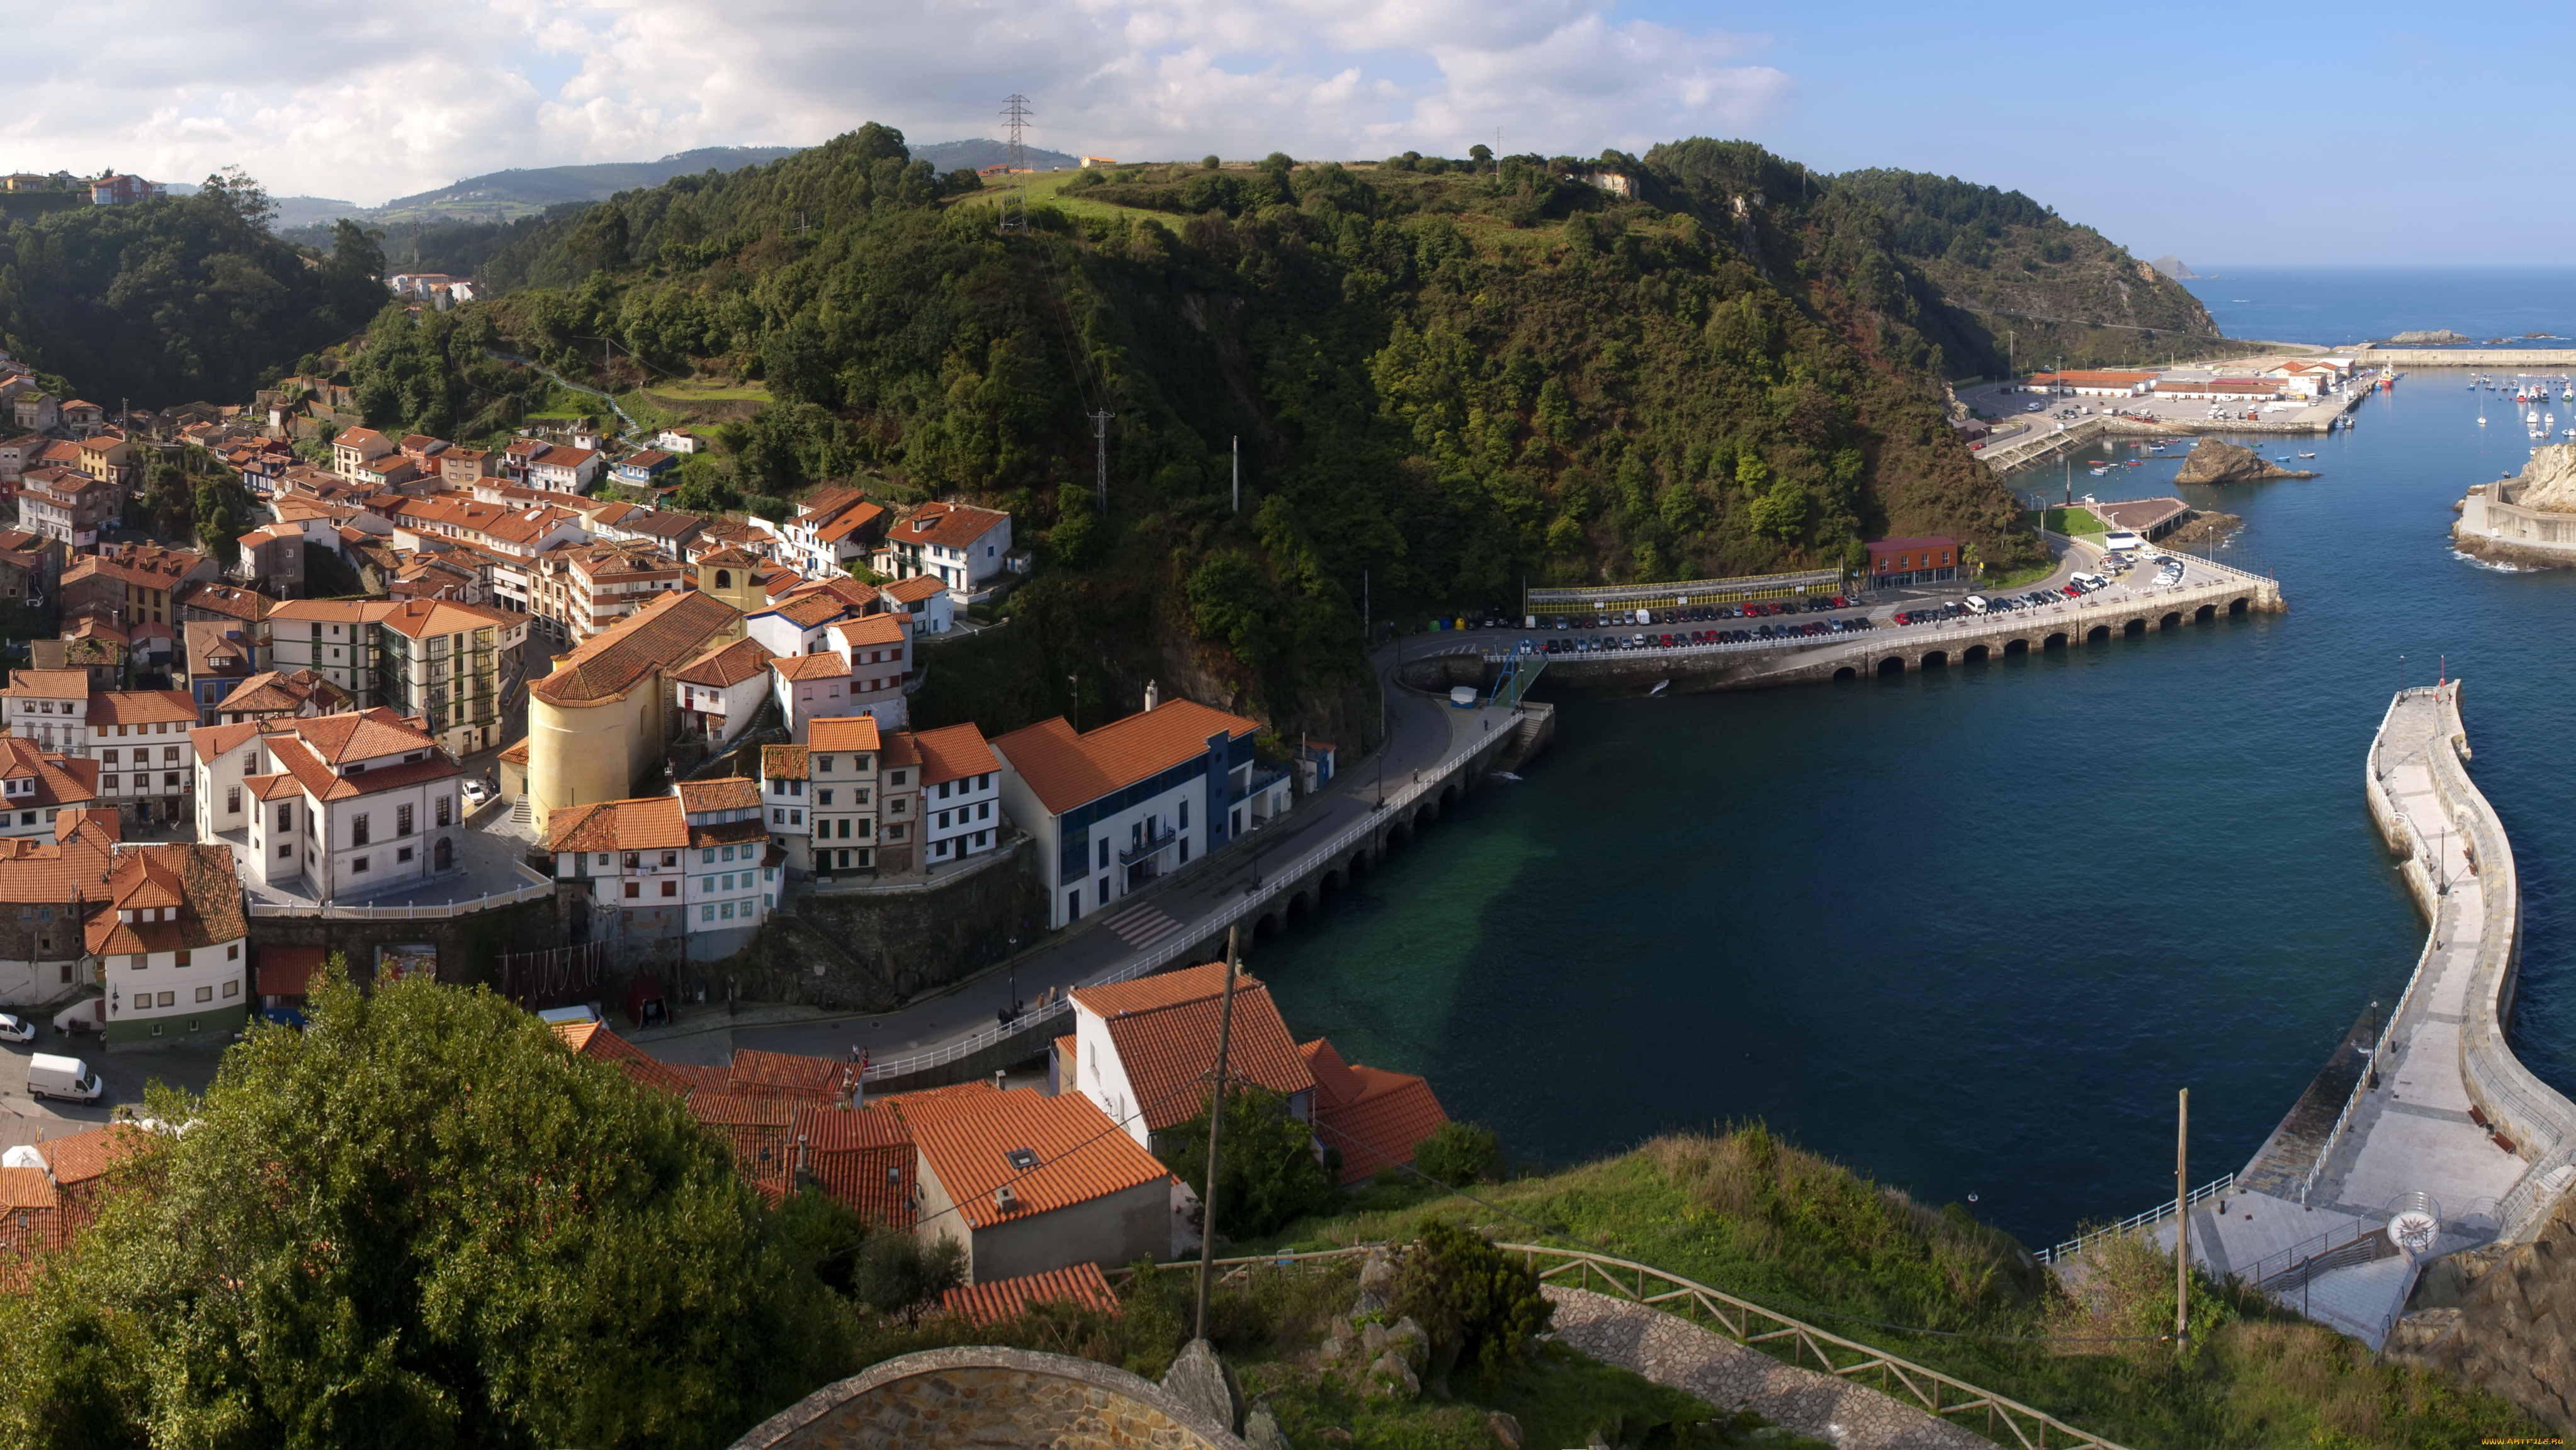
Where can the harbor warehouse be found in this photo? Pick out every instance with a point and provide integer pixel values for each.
(1895, 563)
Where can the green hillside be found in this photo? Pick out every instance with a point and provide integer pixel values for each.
(2008, 281)
(177, 299)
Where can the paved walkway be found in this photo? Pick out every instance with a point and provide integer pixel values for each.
(1424, 733)
(1678, 1354)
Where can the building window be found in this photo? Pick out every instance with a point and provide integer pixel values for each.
(707, 856)
(182, 955)
(232, 800)
(169, 999)
(707, 911)
(204, 994)
(402, 855)
(636, 888)
(358, 831)
(443, 808)
(233, 988)
(670, 888)
(358, 865)
(795, 818)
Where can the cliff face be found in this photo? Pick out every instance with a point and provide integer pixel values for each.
(2548, 481)
(2514, 1331)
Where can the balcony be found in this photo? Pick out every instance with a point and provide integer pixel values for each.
(1263, 778)
(1147, 849)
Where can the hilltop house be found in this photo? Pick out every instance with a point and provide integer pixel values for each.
(961, 546)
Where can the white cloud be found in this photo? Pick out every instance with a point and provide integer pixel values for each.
(367, 102)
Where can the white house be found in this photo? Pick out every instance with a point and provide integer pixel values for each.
(961, 546)
(961, 794)
(339, 807)
(1142, 1047)
(926, 605)
(565, 470)
(833, 528)
(811, 687)
(695, 863)
(783, 781)
(879, 654)
(1114, 808)
(38, 785)
(172, 949)
(679, 440)
(721, 690)
(799, 624)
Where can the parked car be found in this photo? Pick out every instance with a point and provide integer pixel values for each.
(14, 1028)
(475, 794)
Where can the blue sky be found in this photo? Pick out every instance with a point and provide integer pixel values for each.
(2364, 134)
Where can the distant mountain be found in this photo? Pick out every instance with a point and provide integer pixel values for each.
(546, 185)
(2174, 267)
(305, 211)
(983, 151)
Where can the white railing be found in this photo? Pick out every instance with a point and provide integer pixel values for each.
(1185, 940)
(538, 887)
(2134, 1223)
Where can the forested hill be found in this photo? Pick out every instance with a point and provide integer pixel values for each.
(2014, 283)
(179, 299)
(1451, 376)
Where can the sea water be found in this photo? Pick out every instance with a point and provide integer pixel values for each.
(1968, 930)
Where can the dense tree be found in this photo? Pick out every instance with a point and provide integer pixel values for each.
(1269, 1173)
(1475, 1302)
(176, 299)
(418, 1222)
(1460, 1153)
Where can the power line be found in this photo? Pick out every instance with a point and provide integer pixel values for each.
(1016, 113)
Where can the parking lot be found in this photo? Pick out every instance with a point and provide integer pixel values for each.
(2019, 414)
(124, 1074)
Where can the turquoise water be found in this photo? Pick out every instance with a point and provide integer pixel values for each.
(2338, 305)
(1969, 930)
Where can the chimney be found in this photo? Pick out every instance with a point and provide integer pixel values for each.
(1153, 695)
(1005, 1200)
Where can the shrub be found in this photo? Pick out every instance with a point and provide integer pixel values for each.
(1460, 1153)
(1472, 1299)
(896, 1275)
(1271, 1175)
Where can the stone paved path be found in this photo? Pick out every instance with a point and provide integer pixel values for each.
(1680, 1355)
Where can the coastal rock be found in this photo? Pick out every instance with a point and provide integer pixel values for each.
(1504, 1428)
(2427, 339)
(1389, 1375)
(1261, 1430)
(1377, 1279)
(2203, 527)
(2511, 1332)
(2548, 481)
(2215, 462)
(1200, 1380)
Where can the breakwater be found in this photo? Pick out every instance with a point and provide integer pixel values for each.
(2552, 360)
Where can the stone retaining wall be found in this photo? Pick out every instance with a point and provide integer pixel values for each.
(980, 1396)
(872, 948)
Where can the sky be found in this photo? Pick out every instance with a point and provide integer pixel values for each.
(2382, 134)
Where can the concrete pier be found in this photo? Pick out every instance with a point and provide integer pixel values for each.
(2435, 1112)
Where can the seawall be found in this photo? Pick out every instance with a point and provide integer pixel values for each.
(2551, 360)
(2539, 1121)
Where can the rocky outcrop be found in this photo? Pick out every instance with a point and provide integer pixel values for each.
(2204, 527)
(2174, 267)
(2427, 339)
(2216, 462)
(2514, 1331)
(2548, 481)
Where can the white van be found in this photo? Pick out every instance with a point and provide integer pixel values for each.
(1976, 603)
(2119, 541)
(66, 1078)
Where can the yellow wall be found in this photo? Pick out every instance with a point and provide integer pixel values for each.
(583, 755)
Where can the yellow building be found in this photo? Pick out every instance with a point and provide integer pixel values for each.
(604, 716)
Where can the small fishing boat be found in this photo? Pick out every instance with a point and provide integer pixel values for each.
(1658, 689)
(2307, 455)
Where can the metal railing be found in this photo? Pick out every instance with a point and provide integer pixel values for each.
(1747, 1323)
(1182, 942)
(440, 911)
(2134, 1223)
(1902, 638)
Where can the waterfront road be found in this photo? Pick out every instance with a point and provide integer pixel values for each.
(1425, 733)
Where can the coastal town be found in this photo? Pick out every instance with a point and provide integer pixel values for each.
(632, 733)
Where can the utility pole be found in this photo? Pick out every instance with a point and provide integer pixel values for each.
(2182, 1221)
(1216, 1123)
(1238, 473)
(1100, 478)
(1075, 680)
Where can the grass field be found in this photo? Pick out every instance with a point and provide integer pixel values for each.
(2018, 578)
(2068, 521)
(1744, 1212)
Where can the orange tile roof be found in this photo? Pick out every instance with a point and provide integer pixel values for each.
(953, 752)
(1374, 1117)
(652, 823)
(1169, 1051)
(772, 1074)
(83, 1157)
(850, 522)
(27, 1188)
(516, 754)
(808, 610)
(873, 629)
(141, 707)
(212, 741)
(669, 628)
(599, 1040)
(1081, 1155)
(820, 665)
(729, 793)
(725, 665)
(1067, 770)
(280, 692)
(1007, 1299)
(741, 1110)
(359, 735)
(843, 732)
(914, 589)
(49, 684)
(949, 525)
(60, 780)
(421, 618)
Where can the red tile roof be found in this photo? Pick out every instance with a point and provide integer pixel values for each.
(875, 629)
(953, 752)
(651, 823)
(726, 665)
(728, 793)
(670, 628)
(598, 1040)
(915, 589)
(84, 1157)
(1168, 1045)
(1007, 1299)
(141, 707)
(1374, 1117)
(1081, 1155)
(843, 732)
(787, 1074)
(1067, 770)
(949, 525)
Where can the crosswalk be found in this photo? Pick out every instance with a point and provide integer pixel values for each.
(1142, 926)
